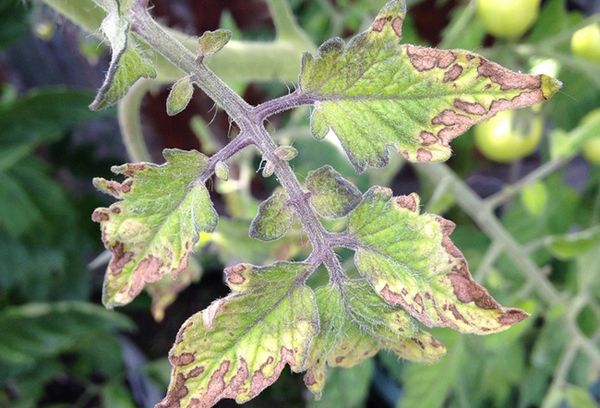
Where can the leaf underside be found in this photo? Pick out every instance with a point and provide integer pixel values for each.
(152, 230)
(127, 65)
(374, 93)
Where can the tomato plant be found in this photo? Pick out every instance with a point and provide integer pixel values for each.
(591, 147)
(509, 135)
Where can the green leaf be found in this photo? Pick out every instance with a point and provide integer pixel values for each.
(374, 93)
(332, 195)
(165, 291)
(212, 42)
(37, 117)
(355, 324)
(275, 217)
(152, 230)
(535, 197)
(411, 261)
(127, 65)
(180, 96)
(579, 397)
(569, 246)
(45, 329)
(239, 345)
(17, 211)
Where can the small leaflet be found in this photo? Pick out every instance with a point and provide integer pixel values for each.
(180, 96)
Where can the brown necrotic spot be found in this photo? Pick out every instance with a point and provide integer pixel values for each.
(195, 372)
(379, 24)
(397, 26)
(472, 108)
(427, 138)
(100, 215)
(234, 274)
(425, 59)
(408, 202)
(424, 155)
(454, 125)
(453, 73)
(512, 316)
(120, 259)
(507, 79)
(182, 359)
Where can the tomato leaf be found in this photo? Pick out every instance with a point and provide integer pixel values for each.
(355, 324)
(126, 65)
(275, 217)
(152, 230)
(331, 194)
(411, 261)
(374, 93)
(239, 345)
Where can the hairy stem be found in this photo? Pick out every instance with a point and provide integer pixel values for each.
(250, 120)
(130, 122)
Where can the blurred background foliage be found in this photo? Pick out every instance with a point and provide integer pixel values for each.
(527, 209)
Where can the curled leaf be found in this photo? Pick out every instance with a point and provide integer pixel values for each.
(154, 226)
(374, 93)
(127, 65)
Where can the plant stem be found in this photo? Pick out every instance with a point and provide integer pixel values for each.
(130, 122)
(250, 120)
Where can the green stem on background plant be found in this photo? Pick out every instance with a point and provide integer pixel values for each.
(130, 122)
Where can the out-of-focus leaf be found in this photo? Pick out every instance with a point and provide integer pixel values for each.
(534, 198)
(13, 22)
(569, 246)
(45, 329)
(579, 398)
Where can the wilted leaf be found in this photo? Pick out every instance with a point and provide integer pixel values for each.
(374, 93)
(152, 230)
(331, 194)
(355, 324)
(411, 261)
(165, 291)
(126, 65)
(239, 345)
(180, 96)
(275, 217)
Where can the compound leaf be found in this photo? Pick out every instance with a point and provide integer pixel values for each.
(355, 324)
(375, 93)
(152, 230)
(126, 65)
(239, 345)
(331, 194)
(411, 261)
(275, 217)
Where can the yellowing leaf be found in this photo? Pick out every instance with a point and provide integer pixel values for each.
(212, 42)
(275, 217)
(239, 345)
(375, 93)
(126, 65)
(355, 324)
(330, 193)
(152, 230)
(411, 261)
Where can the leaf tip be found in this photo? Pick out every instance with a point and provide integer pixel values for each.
(550, 86)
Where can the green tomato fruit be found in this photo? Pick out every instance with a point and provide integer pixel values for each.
(509, 135)
(508, 19)
(590, 149)
(585, 43)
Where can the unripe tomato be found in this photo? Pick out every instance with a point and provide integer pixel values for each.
(585, 43)
(509, 135)
(591, 147)
(508, 19)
